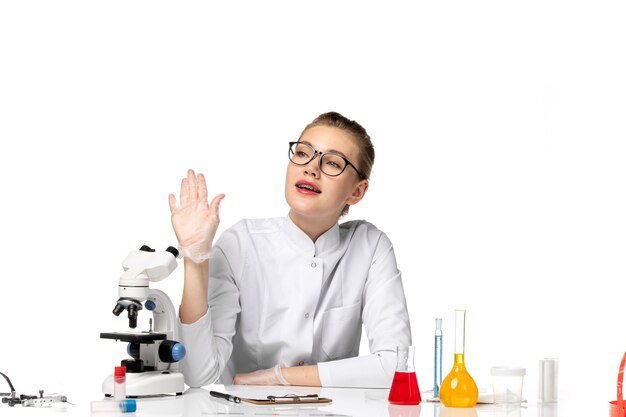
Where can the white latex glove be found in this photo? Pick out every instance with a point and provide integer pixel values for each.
(271, 376)
(195, 221)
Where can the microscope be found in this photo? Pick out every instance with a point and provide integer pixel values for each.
(152, 368)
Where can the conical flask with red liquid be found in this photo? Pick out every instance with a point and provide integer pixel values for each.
(404, 388)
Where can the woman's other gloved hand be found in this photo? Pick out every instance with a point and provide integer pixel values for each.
(271, 376)
(195, 221)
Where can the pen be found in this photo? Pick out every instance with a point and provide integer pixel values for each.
(227, 397)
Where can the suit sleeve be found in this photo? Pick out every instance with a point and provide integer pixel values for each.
(386, 321)
(209, 340)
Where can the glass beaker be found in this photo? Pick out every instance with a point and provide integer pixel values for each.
(458, 388)
(404, 388)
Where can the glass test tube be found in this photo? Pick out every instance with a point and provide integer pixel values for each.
(119, 383)
(548, 390)
(438, 355)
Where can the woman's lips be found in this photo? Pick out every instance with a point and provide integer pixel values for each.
(306, 187)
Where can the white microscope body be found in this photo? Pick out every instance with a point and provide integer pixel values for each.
(153, 369)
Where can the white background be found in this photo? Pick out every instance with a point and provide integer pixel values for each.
(500, 136)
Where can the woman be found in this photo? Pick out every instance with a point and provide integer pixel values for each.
(282, 300)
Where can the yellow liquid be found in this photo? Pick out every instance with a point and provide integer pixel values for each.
(458, 389)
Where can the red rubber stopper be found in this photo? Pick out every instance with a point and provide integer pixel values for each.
(120, 371)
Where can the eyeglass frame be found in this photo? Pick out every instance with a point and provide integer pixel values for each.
(321, 154)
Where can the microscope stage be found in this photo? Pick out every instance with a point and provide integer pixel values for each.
(134, 337)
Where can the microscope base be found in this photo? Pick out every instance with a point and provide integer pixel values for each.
(148, 384)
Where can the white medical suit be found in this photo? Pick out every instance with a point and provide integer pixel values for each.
(277, 297)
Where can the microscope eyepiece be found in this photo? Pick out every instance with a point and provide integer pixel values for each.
(172, 250)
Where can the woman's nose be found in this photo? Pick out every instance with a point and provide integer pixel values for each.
(313, 167)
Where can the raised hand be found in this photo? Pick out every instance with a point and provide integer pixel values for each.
(195, 221)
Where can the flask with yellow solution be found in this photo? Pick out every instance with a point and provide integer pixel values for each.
(458, 388)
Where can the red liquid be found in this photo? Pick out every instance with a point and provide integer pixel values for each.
(404, 389)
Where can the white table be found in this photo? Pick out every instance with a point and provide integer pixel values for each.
(196, 402)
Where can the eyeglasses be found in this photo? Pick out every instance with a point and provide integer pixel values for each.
(331, 163)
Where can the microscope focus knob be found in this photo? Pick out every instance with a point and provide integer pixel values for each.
(171, 351)
(133, 365)
(133, 349)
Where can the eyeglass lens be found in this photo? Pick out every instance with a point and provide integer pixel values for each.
(330, 163)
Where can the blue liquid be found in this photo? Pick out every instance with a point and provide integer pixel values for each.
(438, 347)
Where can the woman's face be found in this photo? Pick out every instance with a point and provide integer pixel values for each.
(314, 196)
